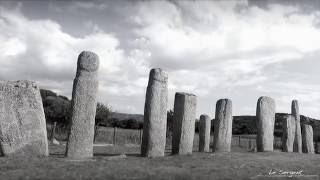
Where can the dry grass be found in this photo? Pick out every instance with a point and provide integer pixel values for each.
(234, 165)
(239, 164)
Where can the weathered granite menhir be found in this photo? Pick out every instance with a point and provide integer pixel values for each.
(183, 123)
(307, 139)
(265, 123)
(204, 133)
(223, 126)
(289, 130)
(83, 107)
(22, 120)
(297, 144)
(155, 115)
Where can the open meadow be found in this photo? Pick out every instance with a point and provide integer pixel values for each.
(123, 161)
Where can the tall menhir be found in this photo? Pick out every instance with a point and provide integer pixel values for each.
(265, 123)
(297, 144)
(223, 126)
(204, 133)
(83, 107)
(185, 105)
(155, 115)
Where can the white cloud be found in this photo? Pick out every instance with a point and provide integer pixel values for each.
(39, 50)
(54, 49)
(175, 36)
(214, 49)
(209, 48)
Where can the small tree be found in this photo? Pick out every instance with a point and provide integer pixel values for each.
(103, 113)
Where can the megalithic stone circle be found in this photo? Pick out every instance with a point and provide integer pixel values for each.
(223, 126)
(184, 123)
(265, 123)
(155, 115)
(22, 121)
(289, 129)
(83, 107)
(297, 145)
(307, 139)
(204, 133)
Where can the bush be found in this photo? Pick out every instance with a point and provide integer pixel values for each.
(103, 113)
(132, 124)
(57, 109)
(121, 124)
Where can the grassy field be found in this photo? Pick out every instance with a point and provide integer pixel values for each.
(108, 163)
(122, 161)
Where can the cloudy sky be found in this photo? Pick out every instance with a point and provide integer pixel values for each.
(215, 49)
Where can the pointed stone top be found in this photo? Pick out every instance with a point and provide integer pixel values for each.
(295, 102)
(88, 61)
(204, 116)
(225, 100)
(294, 107)
(266, 98)
(158, 74)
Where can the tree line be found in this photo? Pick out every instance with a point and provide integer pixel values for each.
(58, 109)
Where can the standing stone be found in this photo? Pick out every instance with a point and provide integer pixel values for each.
(223, 126)
(22, 121)
(155, 115)
(83, 107)
(289, 129)
(204, 133)
(307, 139)
(265, 123)
(297, 145)
(184, 123)
(317, 148)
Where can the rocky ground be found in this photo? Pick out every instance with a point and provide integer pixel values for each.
(110, 162)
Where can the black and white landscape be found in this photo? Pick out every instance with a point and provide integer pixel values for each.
(159, 89)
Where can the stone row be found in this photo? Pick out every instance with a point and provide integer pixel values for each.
(23, 126)
(154, 131)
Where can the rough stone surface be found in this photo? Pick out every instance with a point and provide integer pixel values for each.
(289, 130)
(22, 121)
(307, 139)
(184, 123)
(55, 141)
(297, 145)
(265, 123)
(83, 107)
(223, 126)
(204, 133)
(155, 115)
